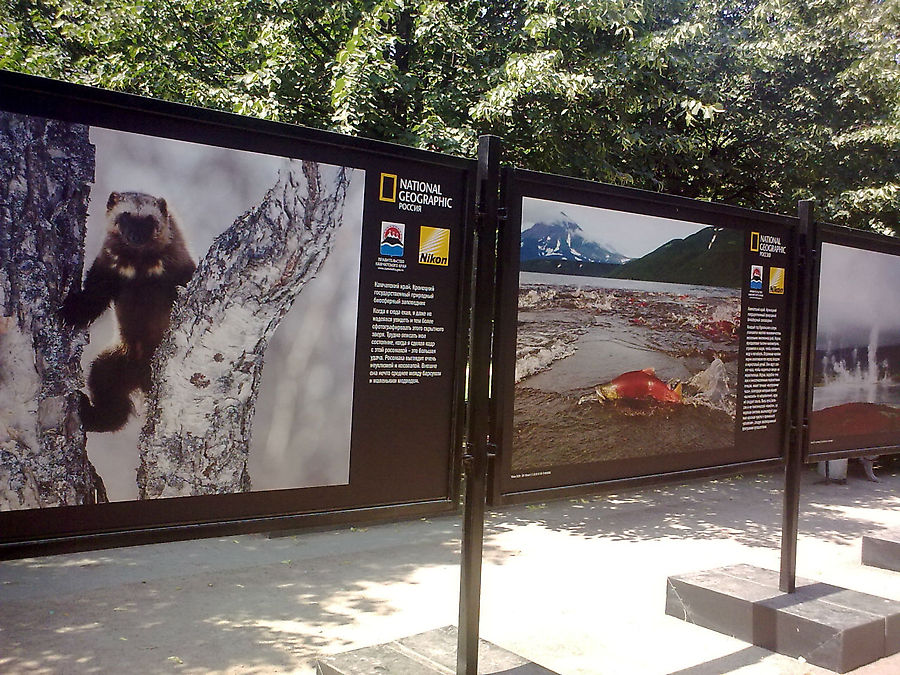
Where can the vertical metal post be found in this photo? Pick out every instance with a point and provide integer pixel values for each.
(475, 459)
(797, 400)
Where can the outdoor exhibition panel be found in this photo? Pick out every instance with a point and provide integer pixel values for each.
(854, 370)
(206, 318)
(638, 335)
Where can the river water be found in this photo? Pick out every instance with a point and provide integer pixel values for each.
(527, 278)
(576, 332)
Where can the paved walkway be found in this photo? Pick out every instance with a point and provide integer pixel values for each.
(575, 585)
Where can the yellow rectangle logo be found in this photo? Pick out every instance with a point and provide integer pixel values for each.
(776, 280)
(754, 242)
(387, 190)
(434, 246)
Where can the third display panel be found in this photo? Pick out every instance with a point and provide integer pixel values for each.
(856, 358)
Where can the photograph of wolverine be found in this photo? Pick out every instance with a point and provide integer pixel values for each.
(202, 232)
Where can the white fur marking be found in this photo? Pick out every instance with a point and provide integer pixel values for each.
(127, 271)
(157, 270)
(137, 207)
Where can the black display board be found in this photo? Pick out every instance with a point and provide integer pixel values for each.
(638, 335)
(336, 262)
(854, 370)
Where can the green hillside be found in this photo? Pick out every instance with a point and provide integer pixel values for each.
(692, 260)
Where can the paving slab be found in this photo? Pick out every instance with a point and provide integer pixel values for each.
(430, 653)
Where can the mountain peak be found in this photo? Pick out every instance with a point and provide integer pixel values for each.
(563, 239)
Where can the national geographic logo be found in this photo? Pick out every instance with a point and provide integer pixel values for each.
(766, 245)
(434, 246)
(411, 195)
(754, 237)
(387, 191)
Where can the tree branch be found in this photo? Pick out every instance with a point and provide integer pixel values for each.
(207, 370)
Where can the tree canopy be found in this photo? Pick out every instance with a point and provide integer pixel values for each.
(750, 102)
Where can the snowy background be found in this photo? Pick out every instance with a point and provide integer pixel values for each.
(301, 429)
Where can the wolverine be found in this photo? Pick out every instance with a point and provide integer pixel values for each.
(142, 262)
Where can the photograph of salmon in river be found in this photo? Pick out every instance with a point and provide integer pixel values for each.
(856, 369)
(628, 337)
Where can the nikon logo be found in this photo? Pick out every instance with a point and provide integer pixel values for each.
(431, 259)
(434, 246)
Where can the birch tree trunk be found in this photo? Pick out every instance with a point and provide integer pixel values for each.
(206, 372)
(46, 172)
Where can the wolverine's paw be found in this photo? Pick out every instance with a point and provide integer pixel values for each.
(84, 404)
(72, 311)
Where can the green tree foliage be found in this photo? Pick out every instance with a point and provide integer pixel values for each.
(750, 102)
(267, 58)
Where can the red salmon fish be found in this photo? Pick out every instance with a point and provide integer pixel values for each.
(638, 385)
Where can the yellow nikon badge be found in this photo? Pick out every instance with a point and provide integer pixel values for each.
(434, 246)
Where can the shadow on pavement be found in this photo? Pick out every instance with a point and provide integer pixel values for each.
(705, 509)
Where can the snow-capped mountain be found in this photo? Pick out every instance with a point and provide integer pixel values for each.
(563, 239)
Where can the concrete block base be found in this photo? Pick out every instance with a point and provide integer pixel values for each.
(425, 654)
(882, 550)
(831, 627)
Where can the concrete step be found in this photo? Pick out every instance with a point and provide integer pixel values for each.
(829, 626)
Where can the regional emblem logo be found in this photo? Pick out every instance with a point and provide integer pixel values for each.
(756, 276)
(392, 236)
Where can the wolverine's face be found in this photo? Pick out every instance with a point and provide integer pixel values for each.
(137, 230)
(139, 219)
